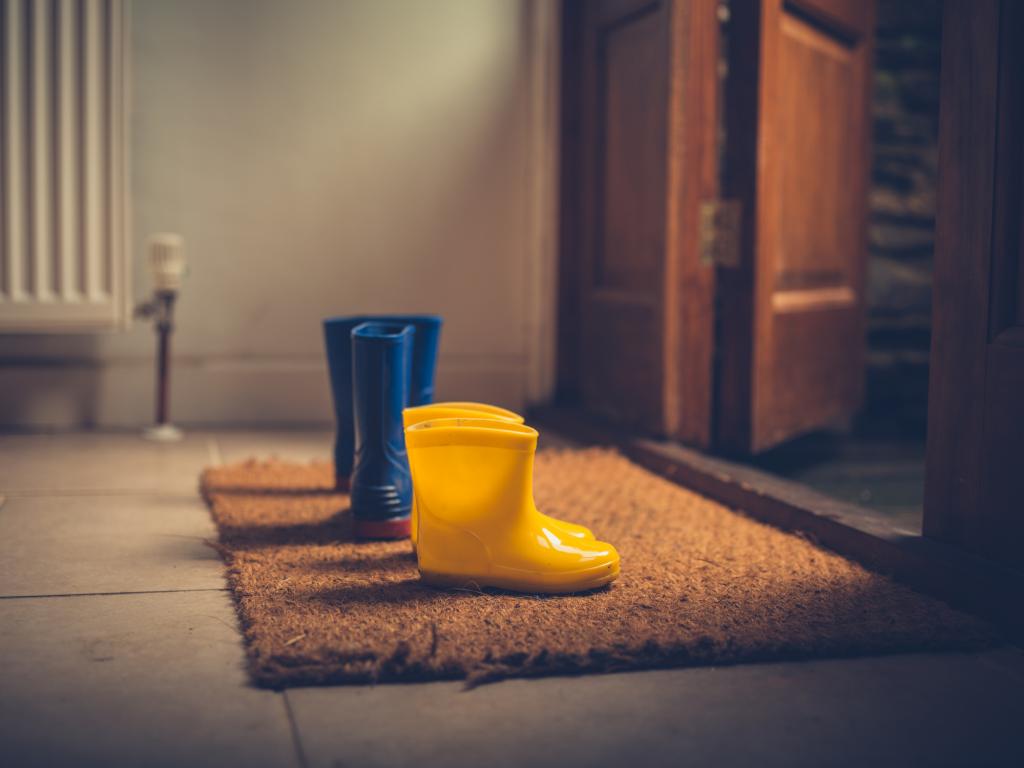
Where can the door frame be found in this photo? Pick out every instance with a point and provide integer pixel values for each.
(943, 568)
(543, 22)
(975, 338)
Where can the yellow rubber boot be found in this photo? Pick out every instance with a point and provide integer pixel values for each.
(477, 521)
(466, 409)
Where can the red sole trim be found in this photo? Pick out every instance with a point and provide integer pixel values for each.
(397, 528)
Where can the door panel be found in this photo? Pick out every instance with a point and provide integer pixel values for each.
(845, 16)
(975, 471)
(628, 251)
(793, 340)
(638, 159)
(626, 54)
(818, 94)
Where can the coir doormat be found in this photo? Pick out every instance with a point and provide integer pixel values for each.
(700, 584)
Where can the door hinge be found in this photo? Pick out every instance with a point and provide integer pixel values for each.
(720, 233)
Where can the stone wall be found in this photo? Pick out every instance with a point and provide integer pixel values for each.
(902, 205)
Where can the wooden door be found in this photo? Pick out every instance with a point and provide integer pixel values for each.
(974, 490)
(638, 158)
(797, 156)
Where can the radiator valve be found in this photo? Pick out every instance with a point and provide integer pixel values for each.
(166, 254)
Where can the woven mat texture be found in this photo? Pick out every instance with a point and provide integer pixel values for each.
(700, 585)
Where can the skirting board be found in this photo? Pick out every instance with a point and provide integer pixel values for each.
(119, 394)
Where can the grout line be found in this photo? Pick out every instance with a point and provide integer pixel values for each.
(112, 594)
(213, 447)
(38, 492)
(300, 754)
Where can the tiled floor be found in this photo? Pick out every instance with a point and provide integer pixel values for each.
(882, 473)
(119, 646)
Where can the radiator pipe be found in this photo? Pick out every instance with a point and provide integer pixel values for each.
(164, 326)
(167, 265)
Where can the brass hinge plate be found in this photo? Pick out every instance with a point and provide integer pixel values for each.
(720, 233)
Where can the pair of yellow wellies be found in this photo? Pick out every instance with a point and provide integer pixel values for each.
(474, 521)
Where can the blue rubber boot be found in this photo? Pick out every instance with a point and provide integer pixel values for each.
(338, 342)
(424, 355)
(381, 483)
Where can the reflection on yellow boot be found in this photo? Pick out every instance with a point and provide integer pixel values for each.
(477, 521)
(464, 409)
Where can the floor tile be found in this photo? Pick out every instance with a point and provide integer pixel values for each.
(882, 474)
(89, 462)
(889, 711)
(52, 545)
(157, 679)
(152, 680)
(293, 445)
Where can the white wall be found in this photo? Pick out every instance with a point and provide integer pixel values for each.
(323, 157)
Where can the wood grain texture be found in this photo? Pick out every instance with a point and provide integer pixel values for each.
(850, 18)
(975, 481)
(639, 157)
(792, 344)
(622, 233)
(962, 257)
(689, 291)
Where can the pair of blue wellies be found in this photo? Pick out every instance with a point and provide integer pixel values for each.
(379, 365)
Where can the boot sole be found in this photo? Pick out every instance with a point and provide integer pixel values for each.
(562, 584)
(397, 528)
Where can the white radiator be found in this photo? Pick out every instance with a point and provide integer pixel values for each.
(63, 165)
